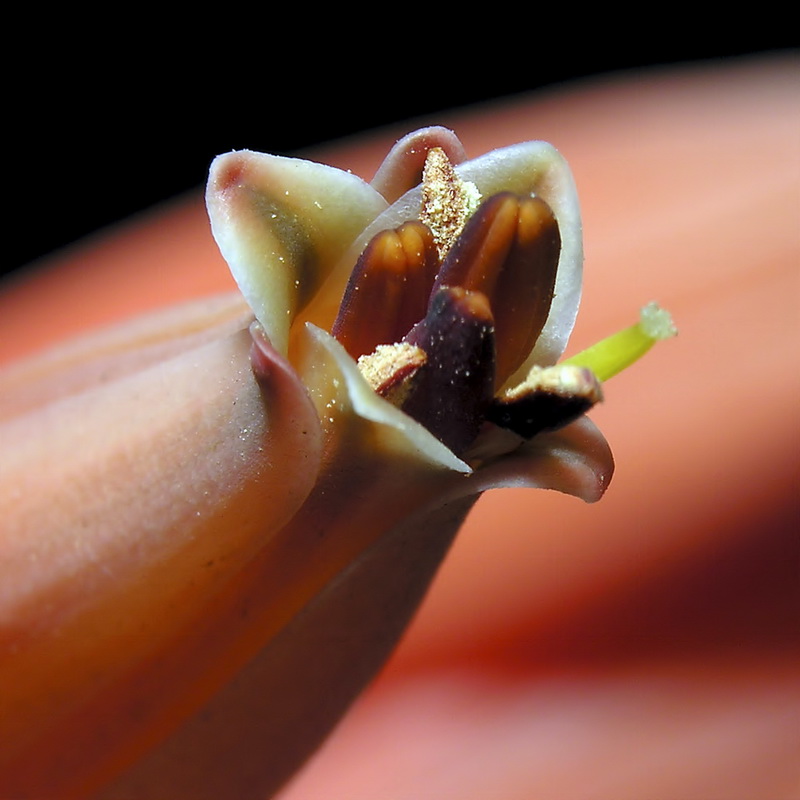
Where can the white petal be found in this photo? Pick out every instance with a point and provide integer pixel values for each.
(282, 224)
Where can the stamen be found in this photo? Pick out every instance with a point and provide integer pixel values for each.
(451, 392)
(447, 201)
(388, 289)
(610, 356)
(548, 399)
(509, 250)
(390, 370)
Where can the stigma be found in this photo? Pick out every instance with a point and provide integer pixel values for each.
(610, 356)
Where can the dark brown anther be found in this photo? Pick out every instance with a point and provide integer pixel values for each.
(388, 289)
(509, 250)
(452, 390)
(549, 399)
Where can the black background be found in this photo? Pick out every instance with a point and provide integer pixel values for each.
(107, 118)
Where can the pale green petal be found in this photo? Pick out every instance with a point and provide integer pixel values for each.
(282, 224)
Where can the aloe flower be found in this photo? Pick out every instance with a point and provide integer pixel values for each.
(214, 532)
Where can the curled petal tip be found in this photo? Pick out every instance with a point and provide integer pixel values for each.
(402, 168)
(282, 225)
(575, 460)
(227, 171)
(262, 355)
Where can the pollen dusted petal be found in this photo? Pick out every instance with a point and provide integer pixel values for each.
(509, 250)
(452, 390)
(388, 289)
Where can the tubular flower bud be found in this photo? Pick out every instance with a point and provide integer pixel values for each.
(229, 529)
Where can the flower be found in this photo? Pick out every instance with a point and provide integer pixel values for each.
(220, 545)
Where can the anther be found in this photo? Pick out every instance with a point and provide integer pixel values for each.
(508, 250)
(447, 201)
(388, 289)
(548, 399)
(390, 370)
(452, 390)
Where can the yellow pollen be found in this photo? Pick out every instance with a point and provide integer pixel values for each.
(447, 201)
(620, 350)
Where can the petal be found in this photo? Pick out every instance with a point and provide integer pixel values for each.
(401, 170)
(282, 224)
(575, 460)
(128, 513)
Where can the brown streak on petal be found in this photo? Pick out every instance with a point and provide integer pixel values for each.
(388, 290)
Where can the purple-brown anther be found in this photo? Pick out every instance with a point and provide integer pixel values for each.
(548, 399)
(453, 389)
(508, 250)
(388, 289)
